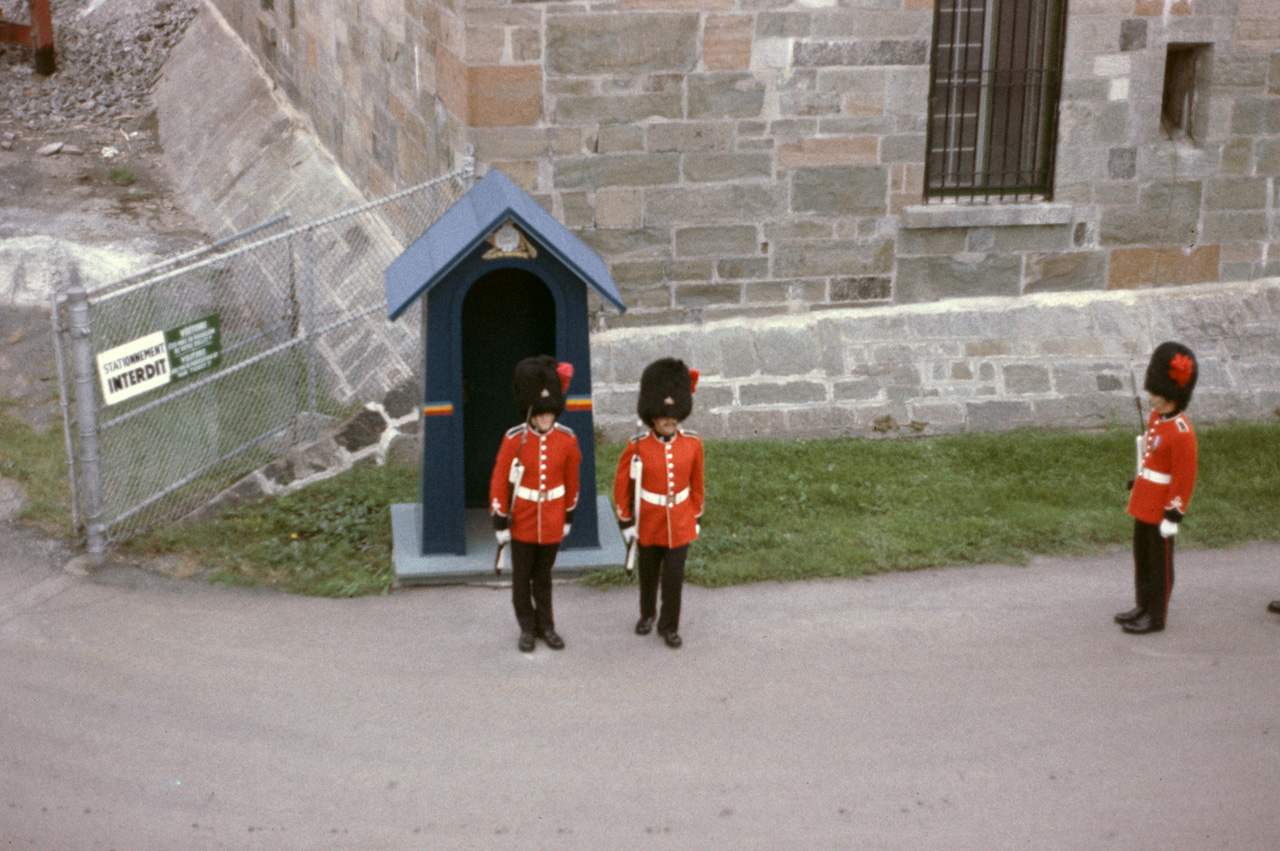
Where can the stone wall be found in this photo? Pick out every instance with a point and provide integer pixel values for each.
(1059, 360)
(755, 157)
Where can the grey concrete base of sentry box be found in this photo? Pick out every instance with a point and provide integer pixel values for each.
(413, 568)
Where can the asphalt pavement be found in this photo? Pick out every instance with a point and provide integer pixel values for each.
(988, 707)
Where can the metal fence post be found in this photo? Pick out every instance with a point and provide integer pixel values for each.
(308, 301)
(86, 417)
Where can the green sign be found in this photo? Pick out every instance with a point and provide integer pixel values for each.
(194, 347)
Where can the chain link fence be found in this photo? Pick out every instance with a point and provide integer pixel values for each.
(182, 379)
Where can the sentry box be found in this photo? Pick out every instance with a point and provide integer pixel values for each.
(500, 280)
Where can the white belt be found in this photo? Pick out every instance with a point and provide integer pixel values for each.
(540, 496)
(1153, 476)
(664, 498)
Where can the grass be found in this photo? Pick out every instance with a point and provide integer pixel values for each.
(121, 176)
(39, 462)
(332, 539)
(786, 511)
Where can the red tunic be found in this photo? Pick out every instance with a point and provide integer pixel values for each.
(671, 484)
(548, 491)
(1168, 473)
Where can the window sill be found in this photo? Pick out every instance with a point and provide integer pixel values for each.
(985, 215)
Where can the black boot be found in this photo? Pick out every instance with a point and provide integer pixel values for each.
(1142, 625)
(1131, 615)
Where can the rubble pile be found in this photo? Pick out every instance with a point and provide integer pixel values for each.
(109, 54)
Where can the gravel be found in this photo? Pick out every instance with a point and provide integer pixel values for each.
(109, 54)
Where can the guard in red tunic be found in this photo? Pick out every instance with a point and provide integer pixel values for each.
(533, 492)
(660, 477)
(1162, 489)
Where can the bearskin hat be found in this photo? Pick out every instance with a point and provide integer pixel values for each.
(1172, 374)
(539, 384)
(666, 390)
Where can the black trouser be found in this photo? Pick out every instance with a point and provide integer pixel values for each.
(655, 562)
(1152, 570)
(531, 585)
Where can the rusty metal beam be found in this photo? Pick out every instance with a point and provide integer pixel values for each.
(38, 35)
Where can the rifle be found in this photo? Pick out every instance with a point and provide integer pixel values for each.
(637, 471)
(515, 476)
(1141, 439)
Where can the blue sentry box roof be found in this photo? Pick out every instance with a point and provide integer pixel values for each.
(493, 200)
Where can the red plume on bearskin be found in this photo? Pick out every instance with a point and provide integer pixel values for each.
(1172, 373)
(565, 371)
(693, 380)
(1181, 368)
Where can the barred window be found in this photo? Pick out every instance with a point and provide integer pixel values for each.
(993, 99)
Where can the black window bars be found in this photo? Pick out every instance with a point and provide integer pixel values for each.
(995, 82)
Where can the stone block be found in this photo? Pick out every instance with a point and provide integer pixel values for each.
(618, 109)
(711, 241)
(642, 272)
(840, 190)
(998, 415)
(621, 43)
(861, 389)
(845, 258)
(724, 95)
(715, 168)
(690, 137)
(809, 153)
(924, 279)
(1168, 213)
(577, 209)
(1268, 157)
(1023, 379)
(756, 424)
(704, 295)
(361, 430)
(865, 289)
(489, 95)
(784, 24)
(914, 241)
(789, 393)
(616, 170)
(620, 139)
(786, 350)
(809, 423)
(726, 42)
(743, 268)
(402, 400)
(1133, 34)
(1237, 193)
(817, 54)
(620, 208)
(626, 243)
(1122, 163)
(714, 205)
(1137, 267)
(1235, 227)
(1065, 272)
(737, 351)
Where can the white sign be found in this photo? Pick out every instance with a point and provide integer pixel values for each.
(133, 368)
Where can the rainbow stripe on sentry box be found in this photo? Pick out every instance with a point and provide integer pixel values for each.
(437, 409)
(577, 403)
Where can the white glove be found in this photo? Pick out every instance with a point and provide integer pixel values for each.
(567, 527)
(1168, 528)
(503, 536)
(630, 534)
